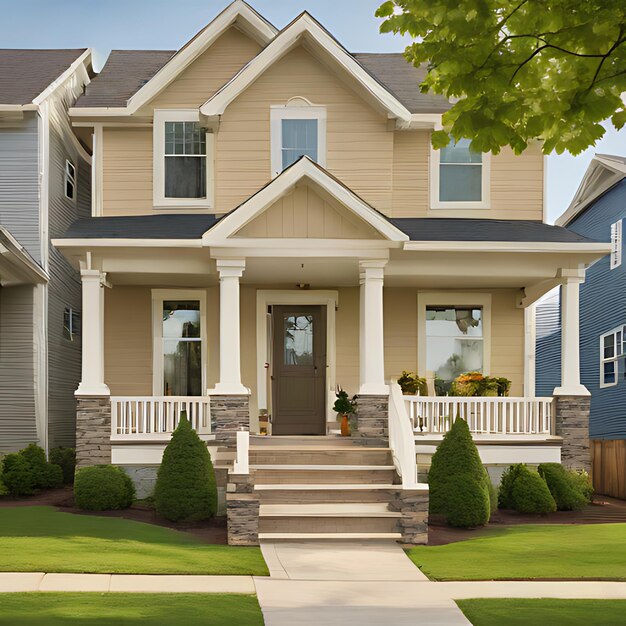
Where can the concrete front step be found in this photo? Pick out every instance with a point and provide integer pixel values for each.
(324, 474)
(303, 455)
(301, 536)
(336, 509)
(324, 493)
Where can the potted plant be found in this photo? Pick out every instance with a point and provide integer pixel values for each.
(467, 384)
(504, 386)
(343, 406)
(411, 384)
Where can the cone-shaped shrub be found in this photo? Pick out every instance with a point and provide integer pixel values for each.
(564, 486)
(458, 482)
(185, 487)
(530, 493)
(505, 499)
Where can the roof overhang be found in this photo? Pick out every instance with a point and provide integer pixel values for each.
(306, 29)
(598, 249)
(17, 267)
(603, 172)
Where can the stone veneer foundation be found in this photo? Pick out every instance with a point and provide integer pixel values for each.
(93, 431)
(242, 510)
(572, 424)
(413, 504)
(228, 415)
(372, 419)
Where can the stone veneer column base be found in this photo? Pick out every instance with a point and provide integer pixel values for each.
(413, 504)
(571, 420)
(228, 415)
(372, 420)
(242, 510)
(93, 431)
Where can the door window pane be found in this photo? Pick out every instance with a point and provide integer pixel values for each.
(298, 339)
(299, 138)
(454, 341)
(185, 160)
(460, 173)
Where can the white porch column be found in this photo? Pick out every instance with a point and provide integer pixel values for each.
(92, 379)
(371, 349)
(230, 271)
(570, 337)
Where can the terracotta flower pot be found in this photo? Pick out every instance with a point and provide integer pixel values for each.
(345, 426)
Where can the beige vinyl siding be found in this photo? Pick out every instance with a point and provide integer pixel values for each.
(210, 71)
(303, 213)
(127, 171)
(400, 322)
(411, 154)
(359, 147)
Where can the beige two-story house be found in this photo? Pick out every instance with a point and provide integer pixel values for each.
(269, 222)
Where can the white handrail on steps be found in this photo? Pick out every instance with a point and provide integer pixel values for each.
(401, 438)
(242, 459)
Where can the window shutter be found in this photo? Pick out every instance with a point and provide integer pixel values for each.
(616, 244)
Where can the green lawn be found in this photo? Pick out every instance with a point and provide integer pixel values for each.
(592, 551)
(521, 612)
(41, 539)
(127, 609)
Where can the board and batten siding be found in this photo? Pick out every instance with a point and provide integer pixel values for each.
(18, 425)
(19, 182)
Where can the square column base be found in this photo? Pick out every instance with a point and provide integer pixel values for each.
(93, 431)
(229, 413)
(372, 419)
(571, 420)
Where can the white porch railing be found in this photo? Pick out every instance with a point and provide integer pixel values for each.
(401, 440)
(484, 415)
(153, 417)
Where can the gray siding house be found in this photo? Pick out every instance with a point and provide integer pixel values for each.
(45, 185)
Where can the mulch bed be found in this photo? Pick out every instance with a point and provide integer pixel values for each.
(602, 510)
(209, 531)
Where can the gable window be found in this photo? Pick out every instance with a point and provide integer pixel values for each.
(616, 244)
(71, 324)
(297, 129)
(459, 177)
(183, 165)
(612, 349)
(70, 180)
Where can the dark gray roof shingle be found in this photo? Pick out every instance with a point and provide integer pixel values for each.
(24, 74)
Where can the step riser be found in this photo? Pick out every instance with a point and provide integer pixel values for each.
(323, 497)
(327, 525)
(324, 477)
(321, 457)
(287, 441)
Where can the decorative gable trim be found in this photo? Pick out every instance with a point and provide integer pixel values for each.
(239, 13)
(307, 28)
(304, 168)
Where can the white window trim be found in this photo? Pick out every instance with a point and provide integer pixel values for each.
(615, 359)
(158, 159)
(73, 180)
(158, 297)
(435, 203)
(280, 112)
(449, 298)
(616, 244)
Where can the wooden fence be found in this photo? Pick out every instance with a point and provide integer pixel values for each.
(608, 457)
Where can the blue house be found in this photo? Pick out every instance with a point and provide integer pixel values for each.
(597, 211)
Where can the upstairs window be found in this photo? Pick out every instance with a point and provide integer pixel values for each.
(612, 349)
(70, 180)
(616, 244)
(297, 129)
(459, 177)
(71, 324)
(183, 163)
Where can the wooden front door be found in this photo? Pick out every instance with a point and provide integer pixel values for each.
(299, 370)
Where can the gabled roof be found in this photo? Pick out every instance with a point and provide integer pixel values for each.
(306, 28)
(17, 267)
(26, 74)
(302, 170)
(604, 171)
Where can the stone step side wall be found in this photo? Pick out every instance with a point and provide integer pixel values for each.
(93, 431)
(372, 421)
(242, 510)
(413, 504)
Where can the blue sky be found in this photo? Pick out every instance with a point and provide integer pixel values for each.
(167, 24)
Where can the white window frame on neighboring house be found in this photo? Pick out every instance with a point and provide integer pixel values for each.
(436, 203)
(618, 353)
(70, 178)
(295, 109)
(158, 297)
(161, 116)
(616, 244)
(71, 330)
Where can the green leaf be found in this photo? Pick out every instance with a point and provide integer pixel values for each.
(439, 139)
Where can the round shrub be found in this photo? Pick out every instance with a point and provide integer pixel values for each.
(51, 477)
(564, 487)
(65, 458)
(505, 499)
(583, 482)
(18, 475)
(530, 493)
(3, 488)
(458, 481)
(185, 488)
(103, 488)
(45, 475)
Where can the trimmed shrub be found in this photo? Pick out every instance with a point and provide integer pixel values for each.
(3, 489)
(505, 499)
(185, 487)
(45, 475)
(458, 481)
(567, 488)
(103, 488)
(530, 493)
(65, 458)
(583, 482)
(493, 495)
(18, 475)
